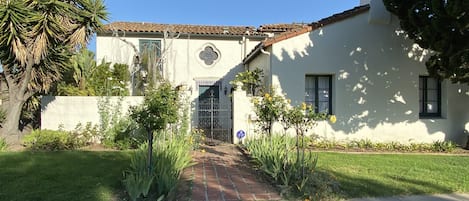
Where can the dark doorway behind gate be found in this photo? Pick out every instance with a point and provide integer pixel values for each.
(214, 114)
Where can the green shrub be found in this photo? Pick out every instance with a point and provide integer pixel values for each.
(443, 146)
(3, 144)
(437, 146)
(127, 134)
(64, 89)
(48, 140)
(53, 140)
(83, 135)
(251, 80)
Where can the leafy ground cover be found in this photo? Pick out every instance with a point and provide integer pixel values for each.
(67, 175)
(375, 175)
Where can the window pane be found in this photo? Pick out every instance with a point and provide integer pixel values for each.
(310, 90)
(323, 95)
(310, 82)
(323, 82)
(432, 107)
(432, 95)
(309, 96)
(323, 107)
(432, 83)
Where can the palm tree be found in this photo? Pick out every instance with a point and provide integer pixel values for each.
(83, 65)
(37, 38)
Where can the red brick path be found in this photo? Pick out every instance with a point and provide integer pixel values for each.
(223, 174)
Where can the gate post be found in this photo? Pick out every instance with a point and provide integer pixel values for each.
(242, 109)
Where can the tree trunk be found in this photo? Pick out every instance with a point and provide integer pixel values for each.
(17, 96)
(10, 127)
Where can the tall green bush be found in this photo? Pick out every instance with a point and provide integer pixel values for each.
(159, 108)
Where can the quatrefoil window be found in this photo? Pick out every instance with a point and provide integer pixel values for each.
(208, 55)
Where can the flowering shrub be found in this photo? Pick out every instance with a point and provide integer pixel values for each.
(273, 108)
(269, 108)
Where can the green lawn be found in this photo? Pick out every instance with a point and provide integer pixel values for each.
(374, 175)
(69, 175)
(96, 176)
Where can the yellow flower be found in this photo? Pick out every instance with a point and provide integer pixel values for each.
(266, 95)
(255, 101)
(303, 106)
(270, 99)
(203, 150)
(332, 119)
(288, 101)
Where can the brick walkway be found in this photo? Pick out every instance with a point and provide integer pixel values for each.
(223, 174)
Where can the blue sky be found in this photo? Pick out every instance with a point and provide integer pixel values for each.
(223, 12)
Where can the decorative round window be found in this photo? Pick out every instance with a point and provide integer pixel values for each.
(209, 55)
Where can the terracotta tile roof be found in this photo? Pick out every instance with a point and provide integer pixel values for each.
(280, 27)
(313, 26)
(143, 27)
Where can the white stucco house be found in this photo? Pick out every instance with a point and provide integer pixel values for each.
(358, 65)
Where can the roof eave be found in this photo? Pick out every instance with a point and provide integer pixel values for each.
(254, 53)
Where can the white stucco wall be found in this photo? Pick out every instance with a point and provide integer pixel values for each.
(243, 116)
(182, 64)
(375, 72)
(67, 112)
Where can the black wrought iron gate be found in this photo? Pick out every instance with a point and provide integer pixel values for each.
(214, 115)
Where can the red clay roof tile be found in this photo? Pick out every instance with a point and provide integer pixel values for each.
(280, 27)
(143, 27)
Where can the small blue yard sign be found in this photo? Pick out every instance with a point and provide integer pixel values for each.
(240, 134)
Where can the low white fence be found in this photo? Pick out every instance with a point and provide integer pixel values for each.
(68, 111)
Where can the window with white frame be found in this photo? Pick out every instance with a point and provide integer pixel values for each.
(429, 97)
(318, 92)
